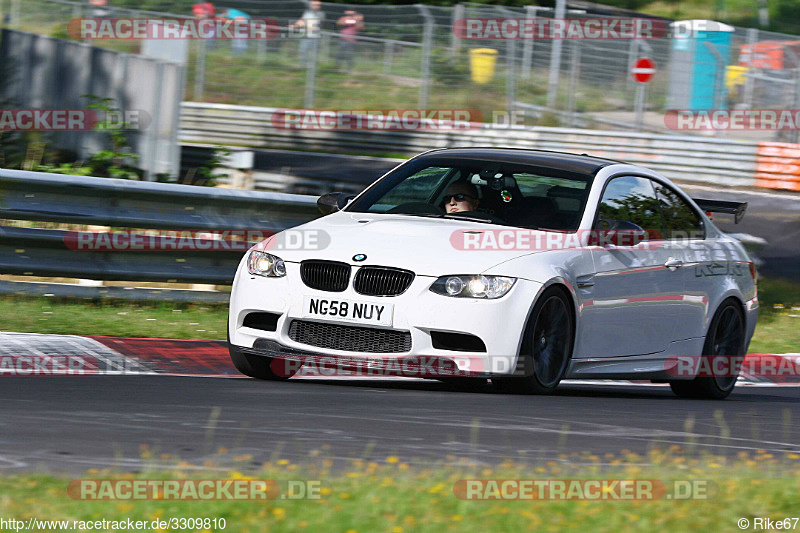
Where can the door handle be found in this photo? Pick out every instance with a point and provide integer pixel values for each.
(673, 264)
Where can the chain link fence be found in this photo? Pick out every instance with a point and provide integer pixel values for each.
(409, 57)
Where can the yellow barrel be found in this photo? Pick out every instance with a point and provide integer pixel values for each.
(481, 64)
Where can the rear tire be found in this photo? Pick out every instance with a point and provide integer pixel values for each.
(546, 346)
(725, 339)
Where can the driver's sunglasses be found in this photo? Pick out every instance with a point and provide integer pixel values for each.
(461, 197)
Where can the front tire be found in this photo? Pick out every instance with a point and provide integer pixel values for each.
(258, 366)
(725, 339)
(546, 346)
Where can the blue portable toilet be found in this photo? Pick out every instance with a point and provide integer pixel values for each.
(695, 71)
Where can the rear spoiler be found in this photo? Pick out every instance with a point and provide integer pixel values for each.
(736, 209)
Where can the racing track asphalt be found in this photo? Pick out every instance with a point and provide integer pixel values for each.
(72, 423)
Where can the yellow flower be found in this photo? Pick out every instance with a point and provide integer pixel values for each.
(436, 488)
(392, 460)
(283, 462)
(279, 513)
(456, 518)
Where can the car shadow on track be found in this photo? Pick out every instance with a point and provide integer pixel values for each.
(433, 385)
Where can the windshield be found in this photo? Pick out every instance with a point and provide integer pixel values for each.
(484, 191)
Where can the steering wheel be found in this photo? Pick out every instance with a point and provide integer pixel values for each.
(610, 224)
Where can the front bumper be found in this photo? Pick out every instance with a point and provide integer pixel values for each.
(498, 323)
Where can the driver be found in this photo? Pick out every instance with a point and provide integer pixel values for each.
(461, 197)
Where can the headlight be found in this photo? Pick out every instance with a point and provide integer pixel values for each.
(466, 286)
(264, 264)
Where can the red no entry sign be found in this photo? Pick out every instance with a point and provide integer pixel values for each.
(643, 70)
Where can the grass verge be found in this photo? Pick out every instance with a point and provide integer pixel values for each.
(394, 496)
(778, 329)
(76, 317)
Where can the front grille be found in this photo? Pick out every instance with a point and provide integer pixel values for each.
(330, 276)
(349, 338)
(382, 281)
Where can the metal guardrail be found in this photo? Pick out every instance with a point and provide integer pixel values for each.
(33, 196)
(697, 159)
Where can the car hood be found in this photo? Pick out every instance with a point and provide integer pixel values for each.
(427, 246)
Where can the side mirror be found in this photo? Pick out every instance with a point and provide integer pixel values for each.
(332, 202)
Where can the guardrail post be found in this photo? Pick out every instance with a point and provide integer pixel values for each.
(200, 70)
(796, 96)
(388, 56)
(455, 42)
(555, 60)
(527, 47)
(261, 50)
(511, 73)
(311, 72)
(633, 54)
(427, 43)
(16, 14)
(154, 130)
(574, 72)
(749, 84)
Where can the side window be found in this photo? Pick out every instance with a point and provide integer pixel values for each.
(680, 220)
(629, 202)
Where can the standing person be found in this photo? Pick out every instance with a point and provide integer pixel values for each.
(311, 21)
(350, 23)
(205, 10)
(237, 45)
(99, 8)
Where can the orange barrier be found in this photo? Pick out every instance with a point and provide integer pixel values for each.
(778, 166)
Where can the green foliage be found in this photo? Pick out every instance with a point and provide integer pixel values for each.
(450, 68)
(115, 162)
(207, 173)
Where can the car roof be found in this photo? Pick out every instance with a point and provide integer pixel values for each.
(583, 164)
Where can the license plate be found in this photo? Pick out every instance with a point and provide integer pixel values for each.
(351, 311)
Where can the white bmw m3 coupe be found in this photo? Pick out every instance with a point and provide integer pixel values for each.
(524, 267)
